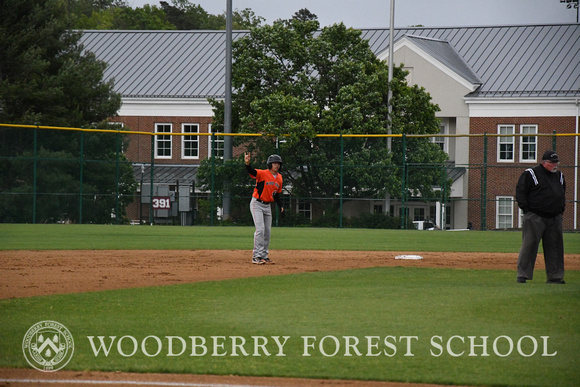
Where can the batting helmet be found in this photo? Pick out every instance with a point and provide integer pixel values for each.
(274, 159)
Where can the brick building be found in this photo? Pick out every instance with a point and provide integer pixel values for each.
(507, 157)
(516, 84)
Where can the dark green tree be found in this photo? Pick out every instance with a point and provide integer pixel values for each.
(187, 16)
(179, 14)
(293, 82)
(47, 79)
(244, 19)
(122, 17)
(304, 15)
(87, 7)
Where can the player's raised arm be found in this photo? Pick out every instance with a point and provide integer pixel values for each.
(251, 171)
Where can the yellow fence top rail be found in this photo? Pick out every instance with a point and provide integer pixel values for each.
(336, 135)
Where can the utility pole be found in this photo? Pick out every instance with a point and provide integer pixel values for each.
(390, 93)
(390, 78)
(228, 106)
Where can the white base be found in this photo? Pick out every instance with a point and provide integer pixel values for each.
(408, 256)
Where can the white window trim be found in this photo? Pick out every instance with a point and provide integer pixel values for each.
(499, 139)
(122, 125)
(443, 130)
(522, 143)
(170, 140)
(219, 139)
(183, 138)
(301, 212)
(497, 203)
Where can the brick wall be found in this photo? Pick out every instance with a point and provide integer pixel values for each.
(502, 176)
(139, 149)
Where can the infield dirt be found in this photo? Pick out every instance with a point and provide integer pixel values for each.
(33, 273)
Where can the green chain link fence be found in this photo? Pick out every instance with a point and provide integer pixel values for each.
(105, 189)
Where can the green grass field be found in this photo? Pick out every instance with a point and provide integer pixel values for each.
(100, 237)
(395, 324)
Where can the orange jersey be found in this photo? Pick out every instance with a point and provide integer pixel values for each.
(266, 185)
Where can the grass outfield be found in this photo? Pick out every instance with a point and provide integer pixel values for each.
(391, 323)
(101, 237)
(418, 322)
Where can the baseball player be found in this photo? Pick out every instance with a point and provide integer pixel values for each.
(268, 189)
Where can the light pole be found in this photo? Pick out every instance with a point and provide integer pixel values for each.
(390, 78)
(228, 106)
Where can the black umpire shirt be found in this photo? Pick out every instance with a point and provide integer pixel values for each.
(541, 192)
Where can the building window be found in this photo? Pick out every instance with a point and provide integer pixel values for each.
(505, 143)
(162, 142)
(504, 212)
(119, 126)
(529, 143)
(218, 143)
(440, 141)
(377, 209)
(305, 209)
(418, 214)
(190, 144)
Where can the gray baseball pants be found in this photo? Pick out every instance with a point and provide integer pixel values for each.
(262, 215)
(549, 231)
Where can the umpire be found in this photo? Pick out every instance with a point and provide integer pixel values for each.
(540, 193)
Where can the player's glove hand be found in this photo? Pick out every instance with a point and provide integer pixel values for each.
(282, 213)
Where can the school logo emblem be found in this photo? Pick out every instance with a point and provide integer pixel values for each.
(48, 346)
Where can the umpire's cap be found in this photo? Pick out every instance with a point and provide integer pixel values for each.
(274, 159)
(551, 156)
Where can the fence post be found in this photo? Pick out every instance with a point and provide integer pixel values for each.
(404, 183)
(34, 166)
(554, 137)
(82, 162)
(117, 220)
(442, 209)
(211, 210)
(151, 180)
(484, 186)
(341, 178)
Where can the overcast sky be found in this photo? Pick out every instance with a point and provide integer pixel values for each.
(376, 13)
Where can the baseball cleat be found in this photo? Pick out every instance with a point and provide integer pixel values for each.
(258, 261)
(267, 260)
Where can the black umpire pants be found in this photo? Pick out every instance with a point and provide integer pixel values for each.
(549, 231)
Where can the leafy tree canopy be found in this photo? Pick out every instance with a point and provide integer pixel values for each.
(125, 18)
(177, 15)
(293, 82)
(47, 79)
